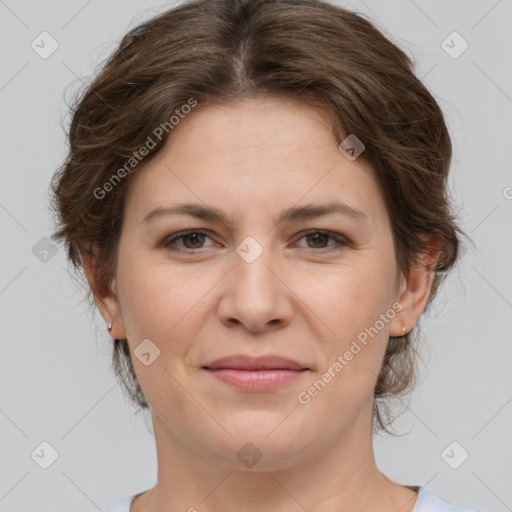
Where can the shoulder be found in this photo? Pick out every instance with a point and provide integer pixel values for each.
(122, 505)
(430, 502)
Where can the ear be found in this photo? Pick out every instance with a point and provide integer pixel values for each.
(108, 304)
(414, 289)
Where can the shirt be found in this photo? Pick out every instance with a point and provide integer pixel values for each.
(427, 502)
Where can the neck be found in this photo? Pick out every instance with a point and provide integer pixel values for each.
(342, 475)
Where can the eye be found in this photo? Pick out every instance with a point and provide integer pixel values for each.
(319, 238)
(195, 237)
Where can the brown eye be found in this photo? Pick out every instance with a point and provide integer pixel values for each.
(319, 240)
(191, 240)
(195, 239)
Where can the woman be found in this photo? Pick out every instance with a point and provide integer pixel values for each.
(256, 191)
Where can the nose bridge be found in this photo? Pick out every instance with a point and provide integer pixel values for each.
(254, 261)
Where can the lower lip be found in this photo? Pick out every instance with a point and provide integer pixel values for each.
(256, 380)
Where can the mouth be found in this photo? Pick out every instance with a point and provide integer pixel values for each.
(249, 363)
(255, 374)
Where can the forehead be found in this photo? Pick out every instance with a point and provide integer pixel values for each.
(256, 154)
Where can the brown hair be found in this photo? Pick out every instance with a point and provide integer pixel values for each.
(223, 51)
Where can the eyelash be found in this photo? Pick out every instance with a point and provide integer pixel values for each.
(340, 241)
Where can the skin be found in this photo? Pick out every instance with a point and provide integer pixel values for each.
(303, 298)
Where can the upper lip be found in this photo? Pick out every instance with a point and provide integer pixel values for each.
(244, 362)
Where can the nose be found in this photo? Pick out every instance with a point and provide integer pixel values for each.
(254, 293)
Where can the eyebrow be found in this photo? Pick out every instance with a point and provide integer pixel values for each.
(308, 211)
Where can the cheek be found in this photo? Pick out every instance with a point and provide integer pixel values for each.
(350, 301)
(163, 304)
(350, 297)
(158, 308)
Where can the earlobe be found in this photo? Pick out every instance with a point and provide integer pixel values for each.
(108, 305)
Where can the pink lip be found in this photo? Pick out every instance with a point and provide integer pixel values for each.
(256, 380)
(263, 373)
(243, 362)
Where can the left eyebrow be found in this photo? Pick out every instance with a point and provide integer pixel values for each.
(308, 211)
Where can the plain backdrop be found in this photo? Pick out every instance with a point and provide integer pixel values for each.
(56, 386)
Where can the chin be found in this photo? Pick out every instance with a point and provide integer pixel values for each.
(268, 442)
(257, 455)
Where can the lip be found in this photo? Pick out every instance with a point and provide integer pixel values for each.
(255, 374)
(245, 362)
(256, 381)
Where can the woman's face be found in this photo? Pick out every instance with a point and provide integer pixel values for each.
(257, 285)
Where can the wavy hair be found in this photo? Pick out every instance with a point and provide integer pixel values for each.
(224, 51)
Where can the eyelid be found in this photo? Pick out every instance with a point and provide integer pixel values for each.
(333, 234)
(340, 240)
(179, 235)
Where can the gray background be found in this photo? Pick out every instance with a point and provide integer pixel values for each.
(55, 382)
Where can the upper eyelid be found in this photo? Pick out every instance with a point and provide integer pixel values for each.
(339, 238)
